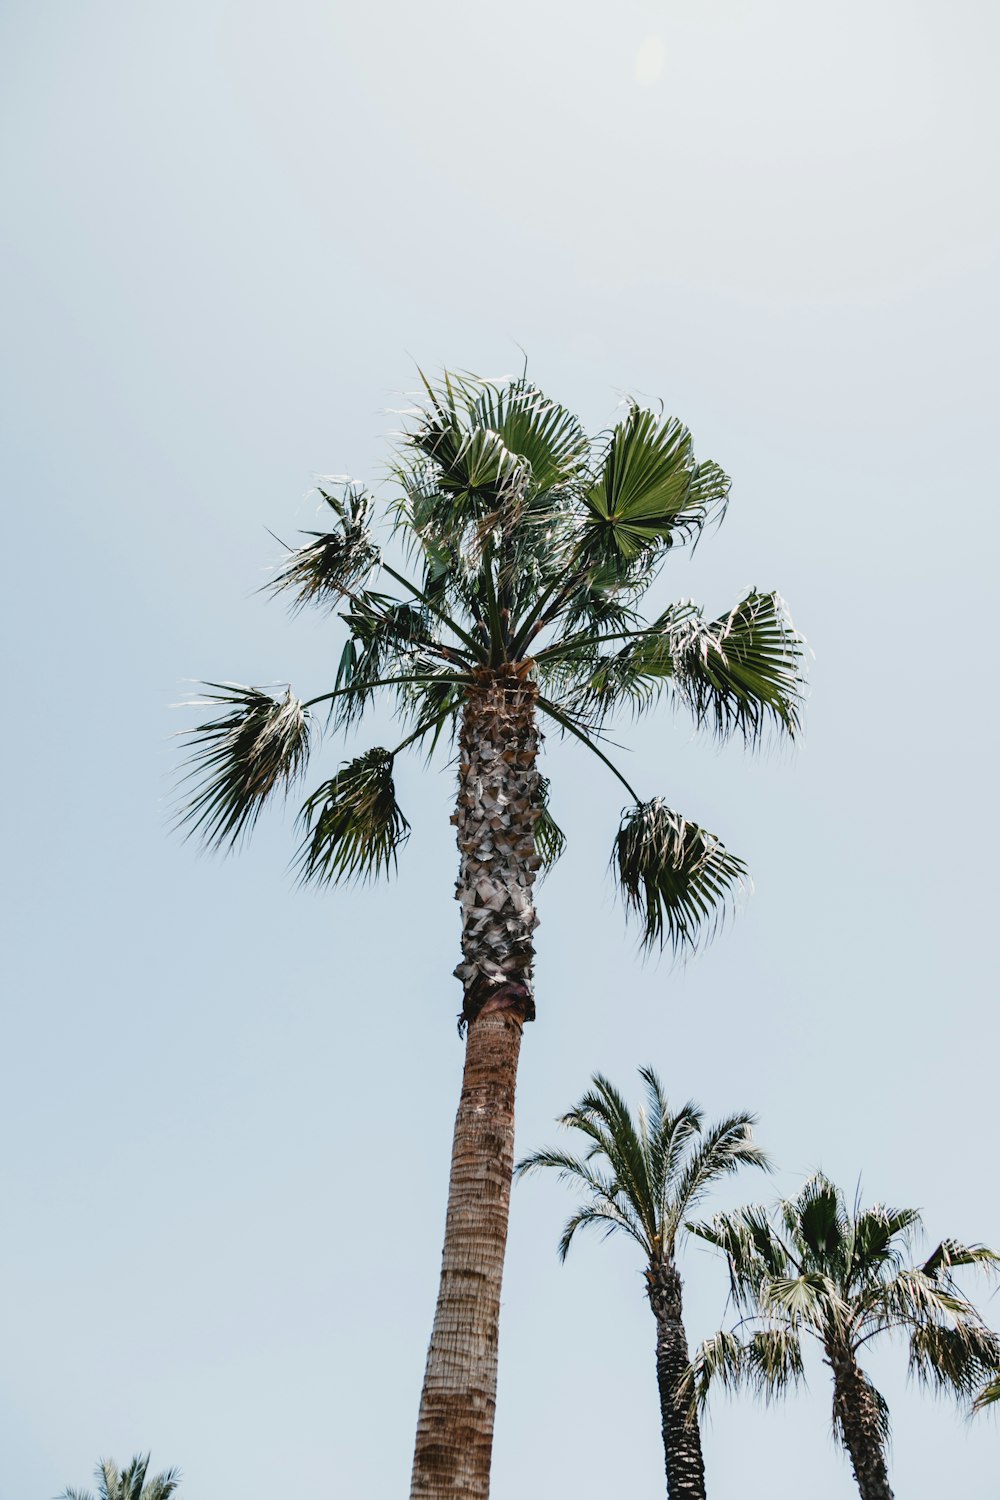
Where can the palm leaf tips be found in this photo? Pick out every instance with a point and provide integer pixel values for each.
(258, 746)
(676, 878)
(354, 827)
(741, 672)
(335, 561)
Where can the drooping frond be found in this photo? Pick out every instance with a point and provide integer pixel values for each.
(608, 1206)
(718, 1361)
(740, 673)
(959, 1359)
(354, 827)
(675, 877)
(335, 562)
(260, 745)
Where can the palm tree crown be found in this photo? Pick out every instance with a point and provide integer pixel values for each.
(129, 1483)
(845, 1277)
(532, 548)
(642, 1175)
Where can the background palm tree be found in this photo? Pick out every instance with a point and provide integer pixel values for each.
(532, 546)
(129, 1483)
(843, 1277)
(641, 1177)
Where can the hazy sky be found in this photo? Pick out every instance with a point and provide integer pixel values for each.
(233, 230)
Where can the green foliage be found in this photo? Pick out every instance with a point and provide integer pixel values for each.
(354, 828)
(261, 745)
(334, 562)
(641, 1175)
(814, 1266)
(129, 1483)
(534, 546)
(676, 878)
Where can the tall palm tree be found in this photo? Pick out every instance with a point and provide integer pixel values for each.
(531, 547)
(642, 1176)
(129, 1483)
(843, 1276)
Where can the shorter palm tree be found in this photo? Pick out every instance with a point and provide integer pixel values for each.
(129, 1483)
(643, 1176)
(843, 1276)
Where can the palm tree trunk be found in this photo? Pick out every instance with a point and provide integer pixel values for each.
(855, 1415)
(681, 1435)
(495, 820)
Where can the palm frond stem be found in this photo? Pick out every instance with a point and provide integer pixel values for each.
(574, 729)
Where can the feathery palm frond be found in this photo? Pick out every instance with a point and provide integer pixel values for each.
(129, 1483)
(674, 876)
(259, 746)
(649, 1157)
(336, 561)
(354, 828)
(742, 671)
(814, 1265)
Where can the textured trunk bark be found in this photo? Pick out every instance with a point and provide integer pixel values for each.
(681, 1435)
(856, 1415)
(495, 819)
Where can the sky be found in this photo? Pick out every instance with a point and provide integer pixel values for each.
(233, 232)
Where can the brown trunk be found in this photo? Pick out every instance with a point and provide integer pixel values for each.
(495, 819)
(855, 1416)
(681, 1436)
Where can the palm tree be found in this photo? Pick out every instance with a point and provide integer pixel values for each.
(129, 1483)
(641, 1177)
(843, 1276)
(532, 546)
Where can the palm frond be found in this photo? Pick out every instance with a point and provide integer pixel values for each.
(677, 878)
(959, 1359)
(550, 841)
(650, 493)
(335, 561)
(260, 745)
(727, 1147)
(740, 673)
(773, 1361)
(953, 1253)
(354, 827)
(718, 1361)
(988, 1397)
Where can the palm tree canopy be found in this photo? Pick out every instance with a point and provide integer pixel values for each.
(844, 1275)
(129, 1483)
(530, 546)
(642, 1174)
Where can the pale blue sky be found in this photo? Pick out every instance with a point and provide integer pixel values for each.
(232, 231)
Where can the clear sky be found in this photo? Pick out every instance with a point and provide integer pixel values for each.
(233, 229)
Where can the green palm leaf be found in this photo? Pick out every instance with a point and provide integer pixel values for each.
(258, 747)
(335, 561)
(354, 827)
(677, 878)
(649, 491)
(741, 672)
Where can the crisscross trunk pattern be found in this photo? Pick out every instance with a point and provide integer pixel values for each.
(681, 1435)
(495, 817)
